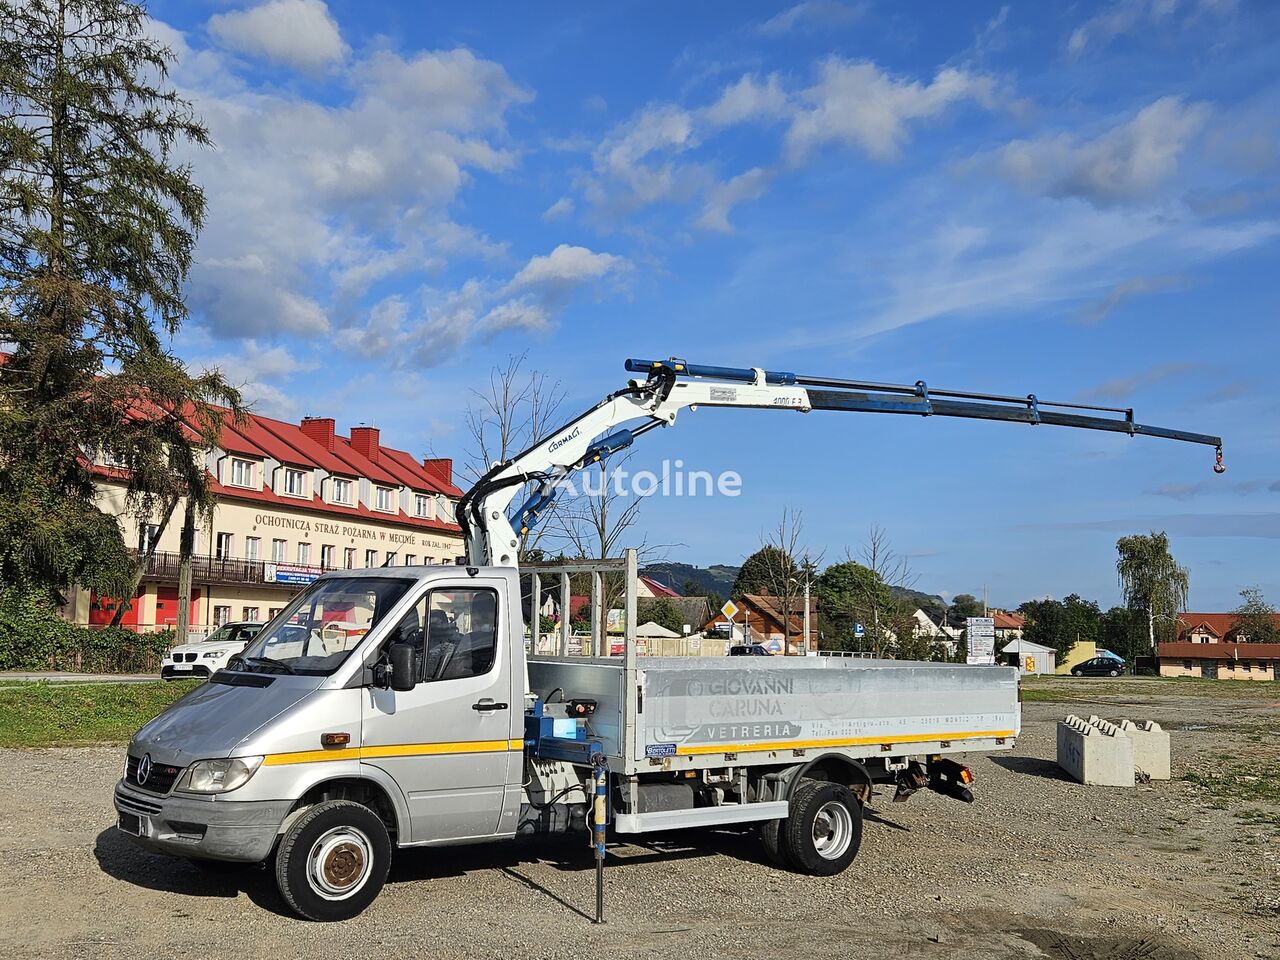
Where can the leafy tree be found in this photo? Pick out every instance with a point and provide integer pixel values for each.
(661, 611)
(97, 225)
(846, 593)
(963, 606)
(764, 571)
(1255, 619)
(1152, 582)
(1081, 620)
(1047, 624)
(1123, 632)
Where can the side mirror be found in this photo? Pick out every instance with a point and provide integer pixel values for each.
(403, 674)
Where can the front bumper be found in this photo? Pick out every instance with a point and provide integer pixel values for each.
(195, 671)
(206, 829)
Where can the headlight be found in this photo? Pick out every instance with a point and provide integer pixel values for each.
(218, 776)
(214, 654)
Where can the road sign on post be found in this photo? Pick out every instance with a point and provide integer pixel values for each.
(730, 609)
(980, 640)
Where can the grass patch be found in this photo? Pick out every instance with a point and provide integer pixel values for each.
(75, 714)
(1064, 688)
(1258, 782)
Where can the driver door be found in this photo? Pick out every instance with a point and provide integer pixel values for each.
(447, 741)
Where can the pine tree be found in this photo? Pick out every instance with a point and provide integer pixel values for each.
(97, 226)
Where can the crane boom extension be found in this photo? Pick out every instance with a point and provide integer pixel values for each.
(672, 385)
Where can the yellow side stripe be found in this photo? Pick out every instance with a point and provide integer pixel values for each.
(854, 742)
(393, 750)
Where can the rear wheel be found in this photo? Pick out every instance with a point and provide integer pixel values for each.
(333, 860)
(771, 835)
(823, 832)
(1077, 673)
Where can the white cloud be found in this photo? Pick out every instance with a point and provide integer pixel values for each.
(251, 365)
(1126, 163)
(748, 99)
(723, 197)
(860, 105)
(313, 204)
(560, 209)
(1136, 16)
(812, 15)
(442, 323)
(298, 33)
(566, 266)
(1122, 388)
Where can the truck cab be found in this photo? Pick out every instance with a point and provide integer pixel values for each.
(305, 719)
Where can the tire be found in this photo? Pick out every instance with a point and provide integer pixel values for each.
(822, 835)
(771, 836)
(1115, 673)
(333, 861)
(1076, 673)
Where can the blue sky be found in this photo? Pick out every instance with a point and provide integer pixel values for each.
(1081, 201)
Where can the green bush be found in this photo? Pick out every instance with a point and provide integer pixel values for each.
(34, 637)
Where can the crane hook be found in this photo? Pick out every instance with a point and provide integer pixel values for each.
(1218, 467)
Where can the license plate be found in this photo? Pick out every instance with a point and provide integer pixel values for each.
(182, 666)
(130, 823)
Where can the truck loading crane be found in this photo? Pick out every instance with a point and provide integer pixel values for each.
(673, 385)
(423, 721)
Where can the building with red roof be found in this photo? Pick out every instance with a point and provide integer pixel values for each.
(292, 501)
(1213, 645)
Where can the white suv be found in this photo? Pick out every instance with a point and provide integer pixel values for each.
(212, 653)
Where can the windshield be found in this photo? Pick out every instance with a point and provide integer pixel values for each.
(240, 632)
(322, 625)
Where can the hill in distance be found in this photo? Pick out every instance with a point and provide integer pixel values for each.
(717, 579)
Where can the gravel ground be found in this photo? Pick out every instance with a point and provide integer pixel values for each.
(1037, 867)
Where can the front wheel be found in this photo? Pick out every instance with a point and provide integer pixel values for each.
(333, 861)
(823, 831)
(1115, 673)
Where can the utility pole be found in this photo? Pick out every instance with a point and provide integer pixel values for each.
(806, 613)
(186, 547)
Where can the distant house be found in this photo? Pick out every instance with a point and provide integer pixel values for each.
(649, 587)
(1008, 626)
(761, 618)
(1212, 645)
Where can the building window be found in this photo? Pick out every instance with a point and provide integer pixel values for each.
(410, 560)
(326, 556)
(222, 549)
(221, 615)
(304, 553)
(349, 557)
(422, 506)
(242, 473)
(277, 551)
(429, 560)
(250, 614)
(147, 535)
(390, 558)
(252, 548)
(382, 499)
(341, 490)
(273, 612)
(371, 558)
(295, 482)
(1186, 665)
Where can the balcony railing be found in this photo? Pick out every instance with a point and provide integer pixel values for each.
(166, 566)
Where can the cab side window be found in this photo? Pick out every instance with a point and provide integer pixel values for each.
(461, 633)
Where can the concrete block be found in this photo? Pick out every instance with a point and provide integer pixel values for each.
(1150, 747)
(1095, 752)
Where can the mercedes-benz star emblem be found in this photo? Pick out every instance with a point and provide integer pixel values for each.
(144, 768)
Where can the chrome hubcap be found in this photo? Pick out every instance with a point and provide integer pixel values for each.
(339, 863)
(832, 830)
